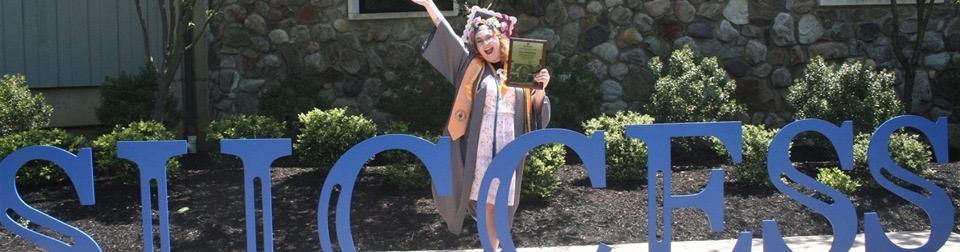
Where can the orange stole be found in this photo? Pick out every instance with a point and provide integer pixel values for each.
(463, 103)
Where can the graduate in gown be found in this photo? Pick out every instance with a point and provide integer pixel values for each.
(487, 114)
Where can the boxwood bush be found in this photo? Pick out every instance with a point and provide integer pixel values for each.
(40, 172)
(626, 158)
(838, 179)
(105, 147)
(540, 172)
(852, 91)
(241, 127)
(692, 89)
(19, 108)
(326, 134)
(906, 149)
(244, 127)
(756, 142)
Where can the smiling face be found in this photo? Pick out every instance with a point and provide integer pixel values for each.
(488, 44)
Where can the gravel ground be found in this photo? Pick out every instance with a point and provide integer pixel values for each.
(383, 219)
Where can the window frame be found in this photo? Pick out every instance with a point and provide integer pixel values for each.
(353, 12)
(869, 2)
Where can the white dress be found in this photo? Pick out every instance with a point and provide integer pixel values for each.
(497, 109)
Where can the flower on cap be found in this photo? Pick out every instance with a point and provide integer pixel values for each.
(478, 17)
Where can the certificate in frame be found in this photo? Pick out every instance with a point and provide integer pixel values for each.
(527, 57)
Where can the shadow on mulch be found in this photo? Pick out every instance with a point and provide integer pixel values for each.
(213, 219)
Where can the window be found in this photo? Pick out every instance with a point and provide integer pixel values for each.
(867, 2)
(386, 9)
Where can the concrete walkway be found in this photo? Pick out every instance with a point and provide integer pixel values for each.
(798, 243)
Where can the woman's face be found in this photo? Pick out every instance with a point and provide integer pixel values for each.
(488, 45)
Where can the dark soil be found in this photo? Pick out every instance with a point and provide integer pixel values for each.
(385, 219)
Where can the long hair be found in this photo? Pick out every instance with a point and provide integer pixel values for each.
(504, 46)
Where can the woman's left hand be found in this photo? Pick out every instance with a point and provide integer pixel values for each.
(543, 77)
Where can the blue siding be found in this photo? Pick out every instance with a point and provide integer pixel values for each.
(11, 23)
(74, 43)
(40, 42)
(3, 52)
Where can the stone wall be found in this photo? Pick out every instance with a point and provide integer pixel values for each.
(762, 44)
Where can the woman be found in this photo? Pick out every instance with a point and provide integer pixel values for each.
(487, 114)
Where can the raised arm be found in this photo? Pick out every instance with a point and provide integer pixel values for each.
(444, 49)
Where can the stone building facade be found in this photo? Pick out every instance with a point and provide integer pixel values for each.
(762, 44)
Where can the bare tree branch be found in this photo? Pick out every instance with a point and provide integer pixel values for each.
(146, 37)
(172, 16)
(206, 23)
(923, 18)
(176, 19)
(163, 23)
(910, 64)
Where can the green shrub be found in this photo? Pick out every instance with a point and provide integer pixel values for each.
(692, 89)
(540, 178)
(241, 127)
(130, 98)
(425, 95)
(574, 96)
(106, 148)
(295, 95)
(244, 127)
(756, 142)
(19, 109)
(836, 178)
(327, 134)
(626, 158)
(403, 170)
(852, 91)
(906, 149)
(37, 172)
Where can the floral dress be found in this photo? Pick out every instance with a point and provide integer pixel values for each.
(498, 110)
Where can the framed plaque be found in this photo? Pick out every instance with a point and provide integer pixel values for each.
(527, 57)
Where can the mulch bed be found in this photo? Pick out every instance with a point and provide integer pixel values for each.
(386, 219)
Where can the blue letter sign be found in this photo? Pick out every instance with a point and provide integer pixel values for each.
(710, 200)
(152, 156)
(841, 213)
(79, 169)
(590, 149)
(344, 174)
(257, 155)
(937, 205)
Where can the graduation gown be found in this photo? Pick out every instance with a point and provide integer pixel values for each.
(446, 52)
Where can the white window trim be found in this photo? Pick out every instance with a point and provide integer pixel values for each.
(353, 8)
(869, 2)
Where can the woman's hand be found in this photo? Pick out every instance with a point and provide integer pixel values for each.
(432, 10)
(543, 77)
(424, 3)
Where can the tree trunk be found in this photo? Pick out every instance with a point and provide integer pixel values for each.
(160, 99)
(910, 64)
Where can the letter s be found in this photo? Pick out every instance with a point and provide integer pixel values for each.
(937, 205)
(79, 169)
(841, 214)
